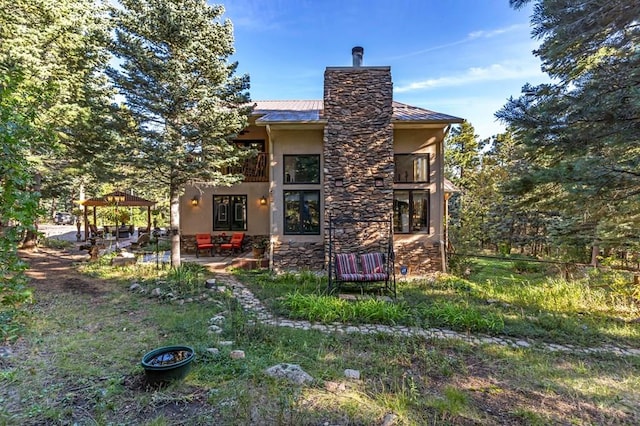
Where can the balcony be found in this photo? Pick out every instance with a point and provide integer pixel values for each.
(253, 169)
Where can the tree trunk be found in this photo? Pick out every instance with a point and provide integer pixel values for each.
(31, 238)
(595, 251)
(174, 221)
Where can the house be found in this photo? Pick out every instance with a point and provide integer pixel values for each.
(357, 154)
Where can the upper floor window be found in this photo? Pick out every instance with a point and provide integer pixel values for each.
(410, 211)
(229, 212)
(411, 168)
(301, 169)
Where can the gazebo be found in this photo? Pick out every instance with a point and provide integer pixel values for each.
(116, 198)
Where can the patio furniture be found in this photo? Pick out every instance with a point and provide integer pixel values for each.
(203, 242)
(366, 268)
(95, 232)
(142, 241)
(235, 244)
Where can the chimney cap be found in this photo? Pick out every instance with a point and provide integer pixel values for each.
(356, 53)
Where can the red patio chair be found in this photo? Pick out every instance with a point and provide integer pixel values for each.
(203, 242)
(235, 244)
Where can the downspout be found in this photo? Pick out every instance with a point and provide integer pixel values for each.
(271, 184)
(443, 249)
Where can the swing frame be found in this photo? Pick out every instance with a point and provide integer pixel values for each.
(364, 269)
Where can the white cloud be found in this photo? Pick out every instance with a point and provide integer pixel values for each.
(475, 35)
(498, 31)
(474, 75)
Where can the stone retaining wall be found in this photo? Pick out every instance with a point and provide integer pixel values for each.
(288, 256)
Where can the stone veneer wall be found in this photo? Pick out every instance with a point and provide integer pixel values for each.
(421, 258)
(358, 148)
(291, 255)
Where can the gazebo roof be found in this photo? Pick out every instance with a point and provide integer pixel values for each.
(129, 200)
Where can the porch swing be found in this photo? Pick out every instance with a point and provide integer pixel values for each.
(365, 261)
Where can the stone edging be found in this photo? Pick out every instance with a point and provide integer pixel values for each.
(252, 304)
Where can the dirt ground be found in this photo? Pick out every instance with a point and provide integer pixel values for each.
(52, 271)
(52, 275)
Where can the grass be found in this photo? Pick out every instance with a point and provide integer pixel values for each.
(79, 360)
(498, 298)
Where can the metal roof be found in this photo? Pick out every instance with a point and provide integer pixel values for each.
(305, 111)
(404, 112)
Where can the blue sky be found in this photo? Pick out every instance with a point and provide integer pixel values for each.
(459, 57)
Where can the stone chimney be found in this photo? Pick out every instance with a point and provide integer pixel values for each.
(357, 53)
(358, 143)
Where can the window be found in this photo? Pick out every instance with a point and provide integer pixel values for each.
(301, 169)
(412, 167)
(410, 211)
(229, 212)
(302, 212)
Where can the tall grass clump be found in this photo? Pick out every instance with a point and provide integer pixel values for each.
(326, 309)
(462, 316)
(186, 278)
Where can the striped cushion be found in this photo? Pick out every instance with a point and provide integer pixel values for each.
(375, 277)
(352, 277)
(373, 263)
(346, 265)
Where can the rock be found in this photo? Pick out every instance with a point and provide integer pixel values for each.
(218, 319)
(352, 374)
(5, 352)
(134, 287)
(389, 419)
(226, 343)
(236, 354)
(156, 291)
(123, 261)
(215, 329)
(210, 283)
(213, 351)
(290, 372)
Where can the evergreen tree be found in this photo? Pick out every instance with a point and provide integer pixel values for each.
(182, 95)
(580, 134)
(59, 49)
(463, 166)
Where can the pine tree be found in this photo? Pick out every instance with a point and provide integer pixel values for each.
(185, 102)
(581, 133)
(59, 50)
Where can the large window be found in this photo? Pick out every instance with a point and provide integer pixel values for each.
(229, 212)
(410, 211)
(411, 168)
(301, 169)
(302, 212)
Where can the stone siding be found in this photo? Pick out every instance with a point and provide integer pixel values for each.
(420, 257)
(289, 256)
(358, 149)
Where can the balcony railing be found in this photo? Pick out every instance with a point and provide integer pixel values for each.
(254, 169)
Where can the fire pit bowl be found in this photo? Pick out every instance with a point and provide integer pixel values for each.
(168, 363)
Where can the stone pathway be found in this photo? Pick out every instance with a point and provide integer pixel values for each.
(252, 304)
